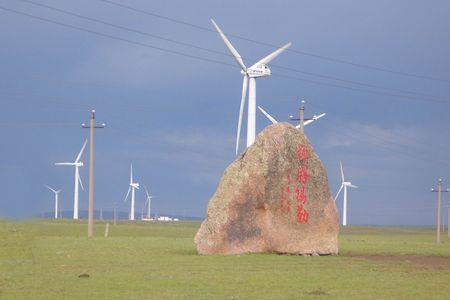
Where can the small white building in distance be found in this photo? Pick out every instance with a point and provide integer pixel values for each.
(167, 219)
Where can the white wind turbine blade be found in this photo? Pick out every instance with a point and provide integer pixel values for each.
(146, 191)
(81, 151)
(79, 180)
(272, 55)
(128, 193)
(342, 171)
(233, 51)
(50, 188)
(64, 164)
(272, 119)
(241, 110)
(131, 174)
(338, 192)
(319, 116)
(314, 118)
(305, 123)
(148, 196)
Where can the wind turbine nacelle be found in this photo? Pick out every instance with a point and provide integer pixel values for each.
(260, 70)
(135, 185)
(79, 164)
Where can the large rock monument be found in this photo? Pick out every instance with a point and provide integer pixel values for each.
(273, 198)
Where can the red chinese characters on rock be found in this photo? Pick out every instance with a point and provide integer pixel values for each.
(302, 153)
(285, 203)
(302, 174)
(295, 191)
(285, 197)
(301, 182)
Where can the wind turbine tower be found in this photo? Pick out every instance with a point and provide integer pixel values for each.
(77, 164)
(56, 199)
(132, 187)
(344, 186)
(259, 69)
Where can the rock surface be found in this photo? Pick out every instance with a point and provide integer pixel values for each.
(273, 198)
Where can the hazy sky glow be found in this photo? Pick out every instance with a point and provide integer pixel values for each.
(175, 117)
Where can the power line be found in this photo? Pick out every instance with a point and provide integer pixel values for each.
(207, 59)
(225, 54)
(36, 124)
(382, 143)
(385, 143)
(415, 141)
(145, 138)
(322, 57)
(400, 97)
(114, 37)
(124, 27)
(360, 83)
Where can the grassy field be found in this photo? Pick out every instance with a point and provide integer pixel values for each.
(43, 259)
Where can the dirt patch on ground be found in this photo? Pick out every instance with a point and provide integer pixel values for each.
(435, 262)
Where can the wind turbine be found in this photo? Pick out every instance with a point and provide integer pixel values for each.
(148, 202)
(344, 186)
(132, 187)
(272, 119)
(77, 163)
(56, 199)
(259, 69)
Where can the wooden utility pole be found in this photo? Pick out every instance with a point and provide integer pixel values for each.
(106, 230)
(438, 209)
(301, 118)
(448, 219)
(115, 214)
(91, 127)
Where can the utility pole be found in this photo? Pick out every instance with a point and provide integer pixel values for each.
(91, 127)
(115, 213)
(301, 118)
(438, 209)
(448, 219)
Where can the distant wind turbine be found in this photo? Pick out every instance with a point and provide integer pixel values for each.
(77, 163)
(272, 119)
(148, 202)
(132, 187)
(259, 69)
(344, 186)
(56, 199)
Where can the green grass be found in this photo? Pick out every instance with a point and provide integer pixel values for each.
(43, 259)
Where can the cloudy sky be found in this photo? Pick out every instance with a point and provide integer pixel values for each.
(156, 74)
